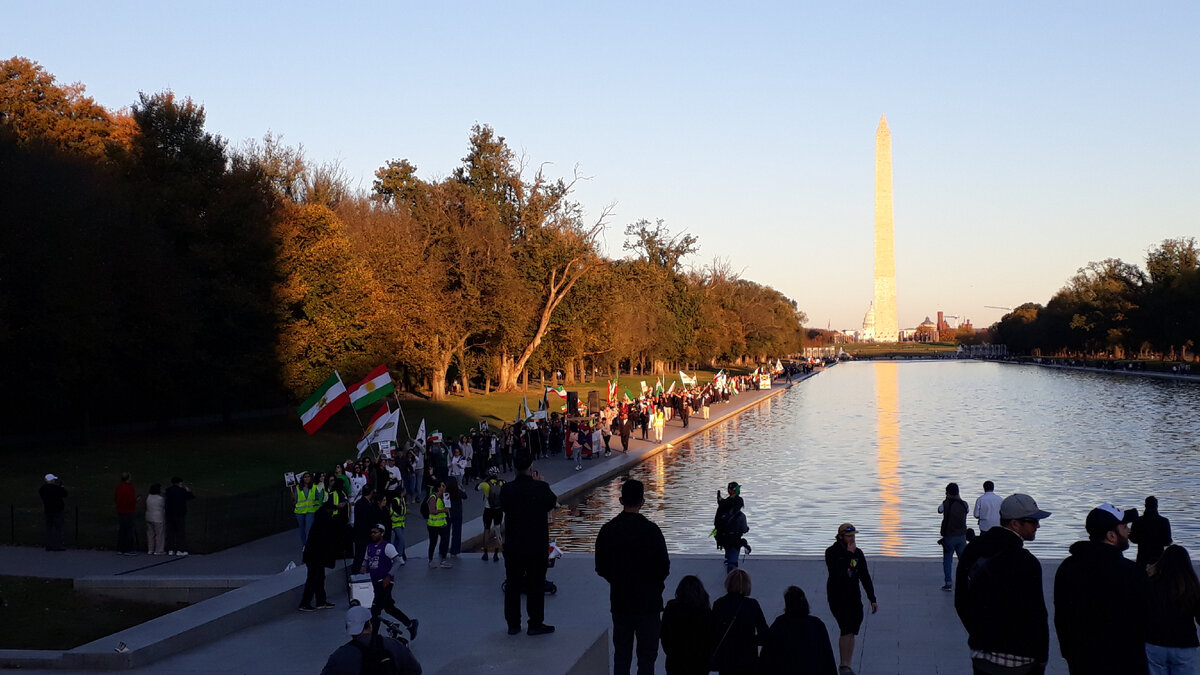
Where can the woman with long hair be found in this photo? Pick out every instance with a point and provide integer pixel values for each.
(1172, 612)
(457, 497)
(438, 524)
(686, 632)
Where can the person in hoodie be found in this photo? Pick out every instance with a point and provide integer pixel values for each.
(797, 642)
(1099, 599)
(1151, 532)
(954, 532)
(999, 595)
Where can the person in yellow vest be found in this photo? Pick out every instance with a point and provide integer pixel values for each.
(660, 419)
(307, 501)
(398, 510)
(438, 524)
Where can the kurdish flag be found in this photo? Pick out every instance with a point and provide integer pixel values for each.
(376, 385)
(628, 396)
(329, 398)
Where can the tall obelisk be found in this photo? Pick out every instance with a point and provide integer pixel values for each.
(886, 329)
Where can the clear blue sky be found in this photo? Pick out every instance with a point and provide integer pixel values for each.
(1028, 138)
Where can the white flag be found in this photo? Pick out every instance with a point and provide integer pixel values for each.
(421, 434)
(384, 430)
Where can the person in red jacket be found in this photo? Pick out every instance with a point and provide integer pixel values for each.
(126, 500)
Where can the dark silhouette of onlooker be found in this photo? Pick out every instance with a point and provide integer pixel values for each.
(739, 627)
(1172, 613)
(54, 497)
(687, 629)
(175, 499)
(954, 532)
(847, 567)
(126, 501)
(526, 501)
(797, 642)
(1151, 532)
(631, 555)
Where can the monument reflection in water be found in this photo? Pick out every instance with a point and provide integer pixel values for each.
(875, 444)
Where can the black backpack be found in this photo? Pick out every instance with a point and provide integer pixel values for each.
(425, 508)
(376, 659)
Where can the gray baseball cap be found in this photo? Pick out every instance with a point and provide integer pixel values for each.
(1018, 506)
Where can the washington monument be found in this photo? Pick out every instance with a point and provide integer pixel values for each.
(886, 329)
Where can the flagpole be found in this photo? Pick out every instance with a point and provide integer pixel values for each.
(402, 417)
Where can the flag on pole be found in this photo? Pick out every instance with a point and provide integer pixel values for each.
(612, 392)
(778, 366)
(628, 396)
(382, 427)
(688, 381)
(560, 390)
(672, 387)
(421, 434)
(329, 398)
(525, 406)
(658, 388)
(376, 385)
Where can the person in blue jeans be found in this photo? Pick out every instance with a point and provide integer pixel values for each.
(954, 532)
(730, 525)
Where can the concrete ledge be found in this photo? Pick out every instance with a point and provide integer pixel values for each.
(257, 602)
(177, 589)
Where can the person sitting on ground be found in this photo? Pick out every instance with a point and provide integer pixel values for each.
(739, 627)
(367, 651)
(687, 629)
(797, 642)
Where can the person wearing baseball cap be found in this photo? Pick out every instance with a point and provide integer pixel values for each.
(1099, 598)
(378, 560)
(54, 497)
(847, 567)
(365, 643)
(998, 593)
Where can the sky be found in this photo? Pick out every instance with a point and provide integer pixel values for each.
(1027, 138)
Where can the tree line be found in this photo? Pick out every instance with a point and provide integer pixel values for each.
(151, 270)
(1116, 309)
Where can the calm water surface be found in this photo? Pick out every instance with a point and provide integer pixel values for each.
(876, 443)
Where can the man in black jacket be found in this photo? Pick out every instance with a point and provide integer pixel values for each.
(1151, 532)
(631, 555)
(526, 503)
(999, 594)
(954, 532)
(1099, 599)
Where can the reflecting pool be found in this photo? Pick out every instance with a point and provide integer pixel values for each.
(875, 444)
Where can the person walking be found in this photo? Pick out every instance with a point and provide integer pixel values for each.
(126, 501)
(437, 524)
(378, 562)
(1151, 532)
(987, 508)
(999, 594)
(368, 651)
(1172, 613)
(53, 496)
(175, 501)
(631, 555)
(1100, 598)
(660, 420)
(398, 513)
(797, 642)
(493, 516)
(954, 532)
(526, 503)
(320, 552)
(624, 430)
(156, 521)
(687, 629)
(739, 627)
(847, 566)
(307, 499)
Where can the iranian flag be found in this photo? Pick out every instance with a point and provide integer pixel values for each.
(375, 386)
(559, 390)
(327, 400)
(612, 392)
(378, 421)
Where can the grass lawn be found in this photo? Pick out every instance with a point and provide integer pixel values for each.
(236, 471)
(872, 349)
(49, 614)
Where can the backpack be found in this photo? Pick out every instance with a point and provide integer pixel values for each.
(376, 659)
(493, 498)
(425, 508)
(725, 522)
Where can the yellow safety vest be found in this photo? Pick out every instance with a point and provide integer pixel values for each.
(399, 515)
(307, 503)
(336, 498)
(438, 519)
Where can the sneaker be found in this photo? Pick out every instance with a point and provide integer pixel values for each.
(307, 608)
(181, 553)
(326, 605)
(412, 629)
(172, 552)
(540, 629)
(447, 564)
(845, 670)
(947, 587)
(513, 630)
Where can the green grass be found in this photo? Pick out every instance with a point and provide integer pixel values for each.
(50, 614)
(236, 471)
(872, 349)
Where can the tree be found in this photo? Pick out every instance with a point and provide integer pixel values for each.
(1171, 316)
(38, 110)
